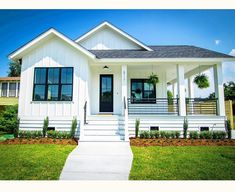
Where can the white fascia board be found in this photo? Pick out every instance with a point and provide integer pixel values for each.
(173, 60)
(115, 29)
(44, 35)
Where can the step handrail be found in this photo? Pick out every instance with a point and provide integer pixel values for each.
(85, 112)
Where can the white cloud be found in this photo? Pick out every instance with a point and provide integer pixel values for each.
(217, 41)
(232, 52)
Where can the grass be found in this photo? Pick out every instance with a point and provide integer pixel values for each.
(8, 100)
(32, 162)
(183, 163)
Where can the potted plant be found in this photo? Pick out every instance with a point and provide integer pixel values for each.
(153, 79)
(202, 81)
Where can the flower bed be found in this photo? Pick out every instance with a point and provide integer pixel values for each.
(40, 141)
(181, 142)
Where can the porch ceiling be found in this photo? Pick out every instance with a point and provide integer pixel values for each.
(171, 73)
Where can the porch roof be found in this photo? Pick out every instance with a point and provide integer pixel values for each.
(170, 51)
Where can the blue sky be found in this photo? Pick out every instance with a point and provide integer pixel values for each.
(212, 29)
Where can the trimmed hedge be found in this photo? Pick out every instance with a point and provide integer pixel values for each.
(30, 134)
(159, 134)
(59, 134)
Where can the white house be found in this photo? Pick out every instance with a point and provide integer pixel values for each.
(9, 86)
(100, 78)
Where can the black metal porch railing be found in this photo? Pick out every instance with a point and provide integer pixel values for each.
(85, 112)
(199, 106)
(159, 106)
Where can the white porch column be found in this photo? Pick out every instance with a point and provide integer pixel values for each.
(219, 88)
(181, 90)
(17, 84)
(173, 90)
(124, 100)
(190, 87)
(8, 86)
(124, 86)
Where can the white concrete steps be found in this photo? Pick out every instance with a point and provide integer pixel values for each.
(104, 128)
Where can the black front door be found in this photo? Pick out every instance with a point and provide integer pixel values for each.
(106, 93)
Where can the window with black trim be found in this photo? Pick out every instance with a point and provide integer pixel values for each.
(53, 84)
(142, 91)
(204, 128)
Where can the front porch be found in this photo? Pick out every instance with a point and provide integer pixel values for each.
(128, 91)
(118, 94)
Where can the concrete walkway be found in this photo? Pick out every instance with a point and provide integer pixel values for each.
(98, 161)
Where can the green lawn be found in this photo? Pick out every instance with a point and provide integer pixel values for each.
(8, 100)
(183, 163)
(32, 162)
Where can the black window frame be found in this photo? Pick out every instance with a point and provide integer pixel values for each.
(46, 84)
(204, 128)
(12, 90)
(2, 90)
(144, 100)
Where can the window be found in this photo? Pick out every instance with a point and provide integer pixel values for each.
(154, 128)
(4, 89)
(142, 92)
(204, 128)
(12, 89)
(53, 84)
(51, 129)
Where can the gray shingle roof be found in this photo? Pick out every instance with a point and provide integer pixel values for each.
(175, 51)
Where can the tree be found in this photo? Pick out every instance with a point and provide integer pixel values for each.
(14, 69)
(229, 91)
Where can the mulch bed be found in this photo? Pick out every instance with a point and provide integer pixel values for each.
(181, 142)
(40, 141)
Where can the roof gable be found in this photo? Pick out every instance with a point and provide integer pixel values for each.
(109, 33)
(43, 37)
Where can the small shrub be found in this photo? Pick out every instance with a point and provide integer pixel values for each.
(152, 134)
(185, 127)
(229, 129)
(177, 134)
(137, 126)
(163, 134)
(146, 134)
(73, 127)
(219, 134)
(168, 134)
(16, 129)
(59, 134)
(156, 134)
(206, 135)
(9, 119)
(30, 134)
(141, 135)
(66, 135)
(45, 126)
(172, 134)
(20, 133)
(193, 135)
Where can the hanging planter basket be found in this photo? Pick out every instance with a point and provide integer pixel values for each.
(138, 91)
(202, 81)
(153, 79)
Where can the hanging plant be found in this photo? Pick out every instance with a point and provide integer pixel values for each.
(153, 79)
(138, 91)
(202, 81)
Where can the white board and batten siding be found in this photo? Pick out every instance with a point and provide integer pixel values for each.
(106, 38)
(175, 123)
(53, 53)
